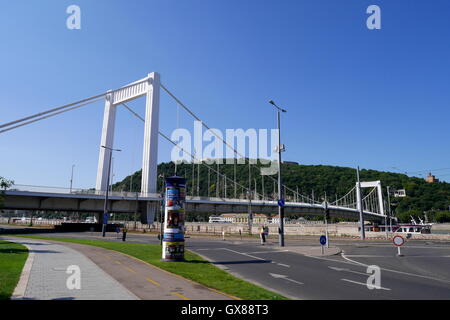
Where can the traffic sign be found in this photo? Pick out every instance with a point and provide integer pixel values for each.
(323, 240)
(105, 218)
(281, 203)
(398, 241)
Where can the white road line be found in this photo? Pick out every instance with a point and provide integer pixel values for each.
(282, 276)
(297, 282)
(368, 256)
(283, 265)
(255, 257)
(395, 271)
(244, 254)
(348, 270)
(274, 251)
(393, 256)
(364, 284)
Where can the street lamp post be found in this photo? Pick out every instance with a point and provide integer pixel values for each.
(105, 208)
(280, 187)
(71, 179)
(389, 207)
(161, 213)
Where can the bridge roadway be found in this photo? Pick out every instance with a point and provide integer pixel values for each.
(60, 199)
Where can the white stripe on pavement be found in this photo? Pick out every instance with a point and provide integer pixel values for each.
(364, 284)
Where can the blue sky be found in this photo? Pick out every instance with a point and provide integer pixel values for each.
(374, 98)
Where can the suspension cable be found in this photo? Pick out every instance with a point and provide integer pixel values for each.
(54, 111)
(216, 135)
(182, 149)
(49, 115)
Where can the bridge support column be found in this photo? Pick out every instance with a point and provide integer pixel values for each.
(380, 198)
(107, 140)
(151, 135)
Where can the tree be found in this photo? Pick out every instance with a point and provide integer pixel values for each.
(4, 184)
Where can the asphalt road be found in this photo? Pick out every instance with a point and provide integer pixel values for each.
(422, 273)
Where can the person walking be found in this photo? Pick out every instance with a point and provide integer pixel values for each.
(124, 233)
(263, 235)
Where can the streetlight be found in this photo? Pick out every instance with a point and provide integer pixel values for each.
(161, 209)
(105, 208)
(280, 193)
(71, 179)
(389, 207)
(361, 208)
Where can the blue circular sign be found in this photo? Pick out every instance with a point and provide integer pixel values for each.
(323, 240)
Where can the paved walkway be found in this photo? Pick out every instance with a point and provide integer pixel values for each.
(105, 274)
(46, 275)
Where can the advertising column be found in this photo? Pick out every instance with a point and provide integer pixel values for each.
(173, 239)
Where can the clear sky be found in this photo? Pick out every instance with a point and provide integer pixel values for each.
(374, 98)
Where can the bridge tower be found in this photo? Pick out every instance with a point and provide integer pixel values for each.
(149, 87)
(371, 184)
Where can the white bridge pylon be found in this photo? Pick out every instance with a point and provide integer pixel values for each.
(149, 87)
(371, 203)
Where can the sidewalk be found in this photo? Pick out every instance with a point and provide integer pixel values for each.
(44, 276)
(129, 278)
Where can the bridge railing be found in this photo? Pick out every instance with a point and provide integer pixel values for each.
(78, 191)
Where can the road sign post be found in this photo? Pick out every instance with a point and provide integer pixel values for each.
(398, 242)
(326, 216)
(323, 241)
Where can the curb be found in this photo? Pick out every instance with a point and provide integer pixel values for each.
(21, 287)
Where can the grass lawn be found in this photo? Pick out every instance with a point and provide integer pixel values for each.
(12, 260)
(195, 268)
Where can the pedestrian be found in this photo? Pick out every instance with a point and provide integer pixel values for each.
(117, 231)
(124, 233)
(266, 232)
(263, 236)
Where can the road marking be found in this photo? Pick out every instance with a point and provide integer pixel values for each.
(117, 262)
(282, 276)
(395, 271)
(274, 251)
(283, 265)
(393, 256)
(245, 254)
(153, 281)
(364, 284)
(130, 270)
(348, 270)
(368, 256)
(180, 295)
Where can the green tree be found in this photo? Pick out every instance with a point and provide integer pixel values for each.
(4, 184)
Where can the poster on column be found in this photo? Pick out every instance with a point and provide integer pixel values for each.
(173, 239)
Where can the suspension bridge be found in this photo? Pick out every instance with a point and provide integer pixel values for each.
(146, 202)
